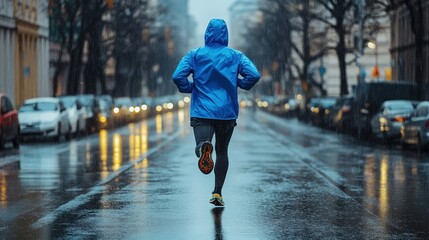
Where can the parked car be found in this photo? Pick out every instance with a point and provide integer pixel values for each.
(387, 122)
(319, 110)
(9, 124)
(91, 107)
(104, 117)
(285, 107)
(121, 110)
(369, 97)
(107, 98)
(340, 118)
(76, 114)
(44, 117)
(415, 129)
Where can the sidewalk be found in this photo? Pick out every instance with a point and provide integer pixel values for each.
(9, 161)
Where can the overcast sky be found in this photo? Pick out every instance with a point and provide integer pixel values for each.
(204, 10)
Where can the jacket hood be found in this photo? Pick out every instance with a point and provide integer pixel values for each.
(216, 33)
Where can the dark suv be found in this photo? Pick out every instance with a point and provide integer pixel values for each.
(369, 97)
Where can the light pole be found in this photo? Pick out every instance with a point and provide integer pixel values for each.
(373, 45)
(376, 70)
(361, 14)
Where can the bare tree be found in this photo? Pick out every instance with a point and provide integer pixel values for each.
(64, 25)
(130, 19)
(290, 26)
(312, 43)
(339, 16)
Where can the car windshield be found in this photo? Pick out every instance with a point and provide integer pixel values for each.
(87, 101)
(400, 106)
(123, 102)
(68, 102)
(40, 106)
(327, 102)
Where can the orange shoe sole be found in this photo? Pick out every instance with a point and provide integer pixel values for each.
(205, 163)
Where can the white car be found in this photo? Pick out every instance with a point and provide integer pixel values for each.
(386, 124)
(44, 117)
(415, 130)
(76, 113)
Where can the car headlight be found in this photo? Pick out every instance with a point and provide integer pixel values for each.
(102, 118)
(382, 120)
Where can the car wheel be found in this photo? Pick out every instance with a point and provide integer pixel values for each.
(2, 141)
(77, 132)
(16, 140)
(419, 143)
(69, 133)
(58, 137)
(404, 145)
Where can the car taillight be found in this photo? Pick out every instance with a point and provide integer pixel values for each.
(398, 119)
(345, 109)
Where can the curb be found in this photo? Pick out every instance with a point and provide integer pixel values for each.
(10, 164)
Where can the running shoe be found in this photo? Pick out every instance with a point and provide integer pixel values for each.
(205, 163)
(217, 200)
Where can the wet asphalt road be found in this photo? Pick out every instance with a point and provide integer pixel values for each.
(286, 180)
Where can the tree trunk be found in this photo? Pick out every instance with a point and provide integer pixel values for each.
(341, 53)
(416, 17)
(94, 68)
(58, 66)
(343, 70)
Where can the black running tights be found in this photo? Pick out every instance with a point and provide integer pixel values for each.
(204, 129)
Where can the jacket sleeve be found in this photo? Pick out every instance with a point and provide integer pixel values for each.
(183, 70)
(249, 72)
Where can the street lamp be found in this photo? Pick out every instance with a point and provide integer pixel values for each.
(373, 45)
(376, 70)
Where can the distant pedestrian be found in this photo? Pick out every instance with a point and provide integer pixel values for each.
(214, 99)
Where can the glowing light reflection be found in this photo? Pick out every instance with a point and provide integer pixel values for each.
(383, 192)
(144, 137)
(3, 191)
(117, 152)
(88, 152)
(169, 122)
(103, 149)
(158, 121)
(369, 177)
(181, 116)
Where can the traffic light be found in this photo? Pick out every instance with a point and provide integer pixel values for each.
(388, 72)
(375, 72)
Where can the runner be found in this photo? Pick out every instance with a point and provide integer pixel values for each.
(214, 100)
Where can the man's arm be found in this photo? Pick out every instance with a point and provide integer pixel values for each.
(183, 70)
(249, 72)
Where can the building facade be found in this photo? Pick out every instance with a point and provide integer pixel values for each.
(241, 12)
(403, 46)
(24, 44)
(376, 56)
(7, 47)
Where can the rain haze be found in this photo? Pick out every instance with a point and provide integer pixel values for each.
(205, 10)
(117, 122)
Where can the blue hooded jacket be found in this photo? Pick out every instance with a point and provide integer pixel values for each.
(215, 69)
